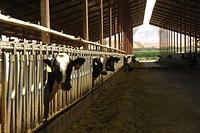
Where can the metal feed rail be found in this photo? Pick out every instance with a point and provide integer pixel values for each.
(23, 83)
(23, 79)
(20, 23)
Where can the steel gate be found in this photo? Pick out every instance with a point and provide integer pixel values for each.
(23, 81)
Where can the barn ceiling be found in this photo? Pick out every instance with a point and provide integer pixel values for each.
(67, 16)
(181, 16)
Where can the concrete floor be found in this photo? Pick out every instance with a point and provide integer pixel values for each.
(154, 98)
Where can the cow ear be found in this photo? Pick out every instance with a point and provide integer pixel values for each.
(78, 62)
(48, 62)
(116, 59)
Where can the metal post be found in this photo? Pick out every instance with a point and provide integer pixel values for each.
(5, 84)
(18, 97)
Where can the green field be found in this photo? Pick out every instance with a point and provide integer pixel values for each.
(147, 54)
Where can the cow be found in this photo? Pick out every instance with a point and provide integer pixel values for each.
(103, 64)
(169, 56)
(58, 71)
(127, 64)
(99, 67)
(111, 62)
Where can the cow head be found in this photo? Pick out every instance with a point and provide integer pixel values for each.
(99, 66)
(60, 68)
(111, 62)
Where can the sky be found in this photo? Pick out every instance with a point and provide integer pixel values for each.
(147, 34)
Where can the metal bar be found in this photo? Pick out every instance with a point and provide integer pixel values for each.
(16, 22)
(5, 84)
(10, 94)
(37, 87)
(24, 87)
(18, 96)
(30, 87)
(24, 97)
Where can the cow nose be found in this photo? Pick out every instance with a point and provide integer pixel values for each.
(66, 86)
(104, 73)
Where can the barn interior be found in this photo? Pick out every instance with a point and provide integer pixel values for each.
(81, 23)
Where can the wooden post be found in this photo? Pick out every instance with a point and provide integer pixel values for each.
(101, 22)
(85, 22)
(119, 27)
(115, 21)
(110, 23)
(45, 19)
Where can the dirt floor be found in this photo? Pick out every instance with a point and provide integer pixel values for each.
(153, 98)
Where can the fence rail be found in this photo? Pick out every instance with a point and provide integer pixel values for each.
(22, 75)
(35, 27)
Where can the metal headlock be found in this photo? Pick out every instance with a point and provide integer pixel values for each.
(24, 79)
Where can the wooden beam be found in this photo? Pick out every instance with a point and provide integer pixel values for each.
(45, 19)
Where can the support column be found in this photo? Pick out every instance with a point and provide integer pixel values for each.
(180, 42)
(85, 22)
(185, 49)
(174, 42)
(45, 19)
(185, 44)
(119, 27)
(127, 29)
(115, 20)
(177, 38)
(119, 37)
(190, 30)
(195, 31)
(121, 21)
(174, 33)
(177, 41)
(171, 42)
(110, 23)
(101, 22)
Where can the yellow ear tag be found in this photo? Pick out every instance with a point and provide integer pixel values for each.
(77, 66)
(49, 69)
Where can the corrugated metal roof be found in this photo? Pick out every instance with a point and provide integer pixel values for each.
(181, 16)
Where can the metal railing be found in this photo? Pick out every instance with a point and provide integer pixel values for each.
(22, 77)
(23, 83)
(35, 27)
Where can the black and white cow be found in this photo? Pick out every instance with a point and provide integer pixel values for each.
(99, 67)
(127, 64)
(59, 72)
(103, 64)
(110, 63)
